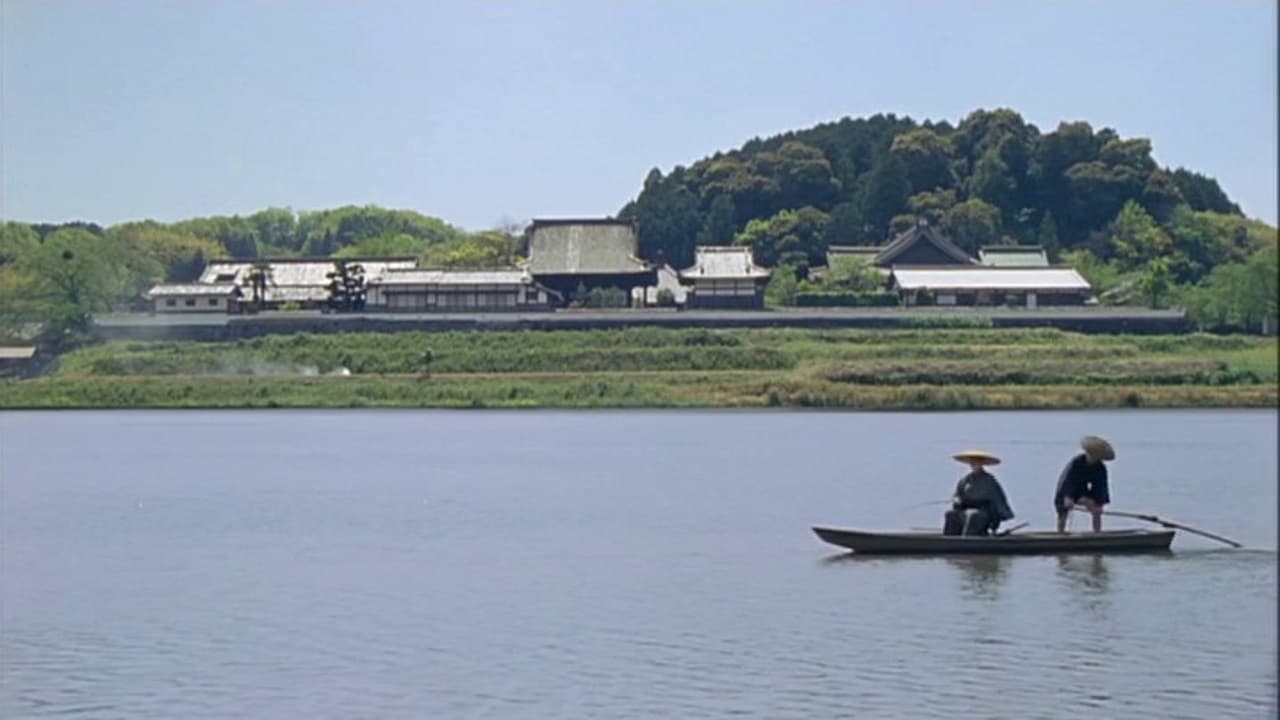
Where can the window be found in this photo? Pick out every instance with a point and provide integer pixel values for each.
(170, 302)
(213, 302)
(225, 277)
(190, 302)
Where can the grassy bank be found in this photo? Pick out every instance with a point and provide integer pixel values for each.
(650, 367)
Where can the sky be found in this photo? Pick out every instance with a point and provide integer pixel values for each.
(488, 112)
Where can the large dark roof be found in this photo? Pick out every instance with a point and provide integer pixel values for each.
(922, 233)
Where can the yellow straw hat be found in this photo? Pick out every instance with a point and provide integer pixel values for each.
(1096, 447)
(982, 457)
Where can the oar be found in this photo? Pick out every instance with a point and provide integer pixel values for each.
(1168, 524)
(926, 504)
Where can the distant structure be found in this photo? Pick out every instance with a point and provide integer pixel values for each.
(573, 254)
(458, 291)
(1010, 286)
(725, 277)
(1013, 256)
(923, 244)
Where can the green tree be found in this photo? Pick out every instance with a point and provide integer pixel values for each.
(73, 274)
(346, 286)
(1047, 237)
(932, 206)
(782, 287)
(926, 159)
(721, 225)
(791, 237)
(846, 226)
(884, 192)
(972, 224)
(1203, 193)
(1155, 282)
(257, 280)
(1136, 239)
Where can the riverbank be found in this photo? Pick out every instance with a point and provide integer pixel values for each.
(658, 367)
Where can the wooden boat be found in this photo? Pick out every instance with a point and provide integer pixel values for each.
(1031, 543)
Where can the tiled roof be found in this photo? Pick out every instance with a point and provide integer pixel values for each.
(1013, 256)
(988, 278)
(194, 290)
(723, 262)
(586, 247)
(921, 233)
(299, 271)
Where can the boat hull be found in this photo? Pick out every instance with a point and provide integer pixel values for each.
(1040, 543)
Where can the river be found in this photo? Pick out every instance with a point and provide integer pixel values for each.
(466, 564)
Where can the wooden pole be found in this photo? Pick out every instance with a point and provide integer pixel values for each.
(1166, 523)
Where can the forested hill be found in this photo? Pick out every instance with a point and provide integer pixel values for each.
(994, 178)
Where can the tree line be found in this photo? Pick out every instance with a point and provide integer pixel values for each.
(53, 277)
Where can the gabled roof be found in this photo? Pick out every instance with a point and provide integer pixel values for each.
(723, 262)
(1013, 256)
(922, 232)
(952, 278)
(584, 246)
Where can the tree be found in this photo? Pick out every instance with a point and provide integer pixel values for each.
(782, 287)
(668, 219)
(720, 225)
(1136, 239)
(884, 192)
(926, 160)
(73, 273)
(791, 237)
(257, 279)
(1047, 237)
(1161, 196)
(932, 206)
(801, 173)
(1203, 193)
(1155, 281)
(972, 224)
(1238, 295)
(346, 286)
(846, 226)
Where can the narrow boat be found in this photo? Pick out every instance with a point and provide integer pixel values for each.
(1031, 543)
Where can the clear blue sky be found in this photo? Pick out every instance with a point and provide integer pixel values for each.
(472, 111)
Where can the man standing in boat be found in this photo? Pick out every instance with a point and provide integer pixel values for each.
(1084, 482)
(979, 504)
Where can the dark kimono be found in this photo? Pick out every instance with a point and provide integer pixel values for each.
(1081, 479)
(979, 490)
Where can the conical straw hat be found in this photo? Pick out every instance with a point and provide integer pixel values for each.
(981, 457)
(1096, 447)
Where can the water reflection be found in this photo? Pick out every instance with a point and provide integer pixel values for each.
(1089, 580)
(982, 575)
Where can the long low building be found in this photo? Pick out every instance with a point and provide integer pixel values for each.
(303, 282)
(958, 285)
(221, 297)
(457, 290)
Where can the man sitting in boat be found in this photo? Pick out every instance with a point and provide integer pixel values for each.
(979, 504)
(1084, 482)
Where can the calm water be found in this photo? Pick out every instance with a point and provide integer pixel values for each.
(621, 565)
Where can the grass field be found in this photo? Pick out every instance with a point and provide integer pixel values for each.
(922, 369)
